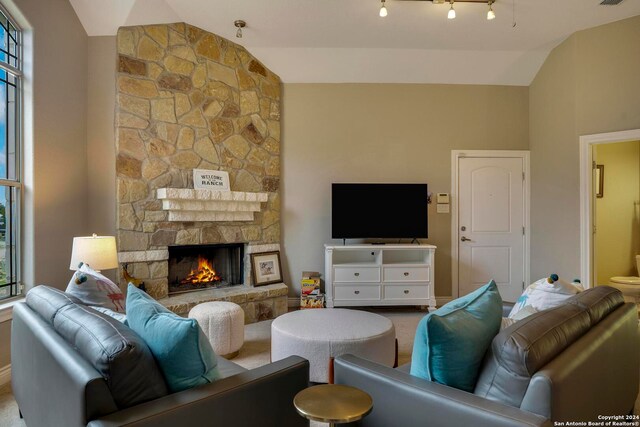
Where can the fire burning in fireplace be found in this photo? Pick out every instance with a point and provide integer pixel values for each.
(205, 273)
(201, 267)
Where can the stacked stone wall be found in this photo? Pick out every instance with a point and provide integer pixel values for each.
(189, 99)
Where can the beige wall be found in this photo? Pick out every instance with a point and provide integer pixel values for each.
(589, 84)
(101, 153)
(554, 167)
(383, 133)
(617, 239)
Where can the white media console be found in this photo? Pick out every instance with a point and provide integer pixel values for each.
(367, 275)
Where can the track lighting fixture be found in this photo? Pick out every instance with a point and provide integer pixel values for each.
(491, 14)
(239, 24)
(452, 12)
(383, 10)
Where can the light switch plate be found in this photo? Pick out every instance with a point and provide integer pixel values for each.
(442, 208)
(442, 198)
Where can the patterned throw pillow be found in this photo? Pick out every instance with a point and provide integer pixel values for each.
(92, 288)
(543, 294)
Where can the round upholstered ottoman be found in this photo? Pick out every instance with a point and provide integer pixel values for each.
(223, 324)
(321, 334)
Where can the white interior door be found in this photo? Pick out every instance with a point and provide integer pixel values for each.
(491, 219)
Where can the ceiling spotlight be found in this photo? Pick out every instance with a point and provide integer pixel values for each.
(491, 14)
(452, 12)
(239, 24)
(383, 10)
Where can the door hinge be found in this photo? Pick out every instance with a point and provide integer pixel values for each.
(594, 229)
(593, 164)
(523, 231)
(523, 176)
(523, 284)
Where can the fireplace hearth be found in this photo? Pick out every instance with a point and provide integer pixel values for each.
(200, 267)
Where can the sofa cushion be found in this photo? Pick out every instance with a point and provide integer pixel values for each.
(114, 350)
(520, 350)
(599, 302)
(47, 301)
(451, 342)
(178, 344)
(92, 288)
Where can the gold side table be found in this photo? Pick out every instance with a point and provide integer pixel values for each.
(333, 403)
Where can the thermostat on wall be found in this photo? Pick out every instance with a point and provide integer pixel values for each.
(442, 197)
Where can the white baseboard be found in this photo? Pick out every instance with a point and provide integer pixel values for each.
(293, 302)
(5, 375)
(440, 301)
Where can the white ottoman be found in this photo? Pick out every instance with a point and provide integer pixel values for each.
(320, 334)
(223, 324)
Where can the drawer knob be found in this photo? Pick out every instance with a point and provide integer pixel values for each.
(356, 292)
(356, 274)
(406, 291)
(406, 273)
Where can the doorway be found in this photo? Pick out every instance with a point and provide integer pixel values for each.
(490, 221)
(590, 177)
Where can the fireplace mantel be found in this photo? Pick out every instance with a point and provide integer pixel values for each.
(184, 204)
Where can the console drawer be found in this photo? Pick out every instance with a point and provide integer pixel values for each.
(356, 274)
(405, 292)
(354, 292)
(405, 274)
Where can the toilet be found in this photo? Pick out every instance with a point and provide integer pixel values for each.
(629, 285)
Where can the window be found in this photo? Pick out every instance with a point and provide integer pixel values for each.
(10, 144)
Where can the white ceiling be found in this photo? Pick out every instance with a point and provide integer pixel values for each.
(346, 41)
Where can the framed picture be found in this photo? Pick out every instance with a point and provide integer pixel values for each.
(266, 268)
(599, 181)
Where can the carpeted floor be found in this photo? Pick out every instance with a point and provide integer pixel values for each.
(255, 352)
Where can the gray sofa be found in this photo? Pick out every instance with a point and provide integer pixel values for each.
(572, 363)
(73, 366)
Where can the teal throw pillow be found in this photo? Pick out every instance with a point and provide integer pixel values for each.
(179, 346)
(450, 343)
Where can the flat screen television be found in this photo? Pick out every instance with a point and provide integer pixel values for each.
(379, 211)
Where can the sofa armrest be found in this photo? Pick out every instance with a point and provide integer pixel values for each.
(404, 400)
(52, 384)
(260, 397)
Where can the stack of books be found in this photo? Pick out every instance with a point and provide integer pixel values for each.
(311, 297)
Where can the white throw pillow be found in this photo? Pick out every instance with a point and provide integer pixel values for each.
(92, 288)
(122, 318)
(544, 294)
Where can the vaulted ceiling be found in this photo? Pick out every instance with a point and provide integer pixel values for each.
(346, 41)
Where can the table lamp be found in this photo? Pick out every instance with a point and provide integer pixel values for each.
(97, 251)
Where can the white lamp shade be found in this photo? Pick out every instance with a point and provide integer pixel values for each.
(97, 251)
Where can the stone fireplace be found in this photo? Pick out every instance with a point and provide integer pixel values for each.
(190, 99)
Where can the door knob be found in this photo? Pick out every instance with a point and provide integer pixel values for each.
(464, 239)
